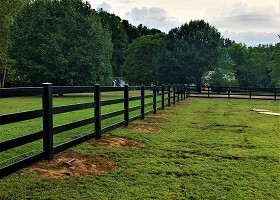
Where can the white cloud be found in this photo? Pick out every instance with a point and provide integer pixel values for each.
(251, 25)
(252, 38)
(244, 18)
(105, 6)
(258, 17)
(154, 17)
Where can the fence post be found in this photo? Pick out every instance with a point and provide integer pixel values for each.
(178, 95)
(97, 111)
(181, 92)
(189, 90)
(275, 94)
(228, 92)
(142, 102)
(208, 92)
(169, 95)
(155, 99)
(184, 88)
(162, 97)
(48, 121)
(126, 105)
(174, 94)
(250, 93)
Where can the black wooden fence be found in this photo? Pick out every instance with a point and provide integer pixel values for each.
(235, 93)
(168, 95)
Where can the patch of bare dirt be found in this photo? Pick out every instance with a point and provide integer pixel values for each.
(155, 120)
(143, 128)
(113, 141)
(68, 165)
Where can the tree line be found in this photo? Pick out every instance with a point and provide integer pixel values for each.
(66, 42)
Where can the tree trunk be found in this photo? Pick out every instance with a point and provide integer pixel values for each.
(4, 77)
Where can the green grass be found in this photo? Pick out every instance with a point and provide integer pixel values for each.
(207, 149)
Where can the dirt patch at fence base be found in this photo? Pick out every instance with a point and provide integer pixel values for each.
(67, 165)
(113, 141)
(143, 128)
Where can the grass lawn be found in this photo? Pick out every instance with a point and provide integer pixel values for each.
(203, 149)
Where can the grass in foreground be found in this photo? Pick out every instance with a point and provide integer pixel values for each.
(207, 149)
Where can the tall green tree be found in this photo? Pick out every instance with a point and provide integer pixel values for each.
(139, 67)
(61, 41)
(274, 66)
(119, 39)
(190, 51)
(134, 32)
(8, 11)
(223, 75)
(251, 64)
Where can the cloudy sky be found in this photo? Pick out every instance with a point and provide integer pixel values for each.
(251, 22)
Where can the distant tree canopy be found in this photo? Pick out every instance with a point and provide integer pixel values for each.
(188, 52)
(122, 34)
(135, 32)
(68, 43)
(119, 39)
(223, 75)
(61, 41)
(274, 66)
(8, 12)
(140, 67)
(251, 64)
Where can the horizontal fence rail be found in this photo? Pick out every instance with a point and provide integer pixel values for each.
(161, 95)
(235, 93)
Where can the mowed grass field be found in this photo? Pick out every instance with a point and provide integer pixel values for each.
(200, 149)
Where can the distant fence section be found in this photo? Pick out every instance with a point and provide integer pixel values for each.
(235, 93)
(161, 96)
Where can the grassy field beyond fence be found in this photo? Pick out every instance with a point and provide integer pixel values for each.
(200, 149)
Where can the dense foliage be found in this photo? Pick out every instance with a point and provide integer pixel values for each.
(8, 11)
(66, 42)
(192, 50)
(61, 42)
(140, 67)
(119, 39)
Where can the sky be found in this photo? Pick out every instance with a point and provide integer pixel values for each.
(251, 22)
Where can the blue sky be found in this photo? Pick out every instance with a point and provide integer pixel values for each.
(251, 22)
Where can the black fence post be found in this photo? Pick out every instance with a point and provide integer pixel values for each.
(48, 121)
(155, 99)
(228, 92)
(126, 105)
(97, 111)
(169, 95)
(250, 93)
(178, 95)
(184, 88)
(174, 94)
(181, 92)
(142, 102)
(275, 94)
(208, 92)
(162, 96)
